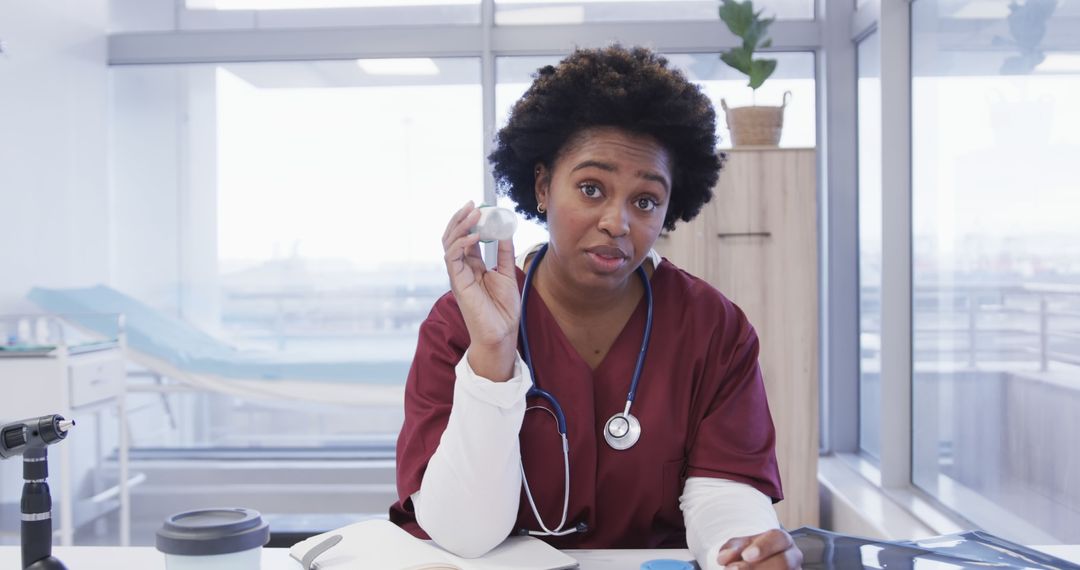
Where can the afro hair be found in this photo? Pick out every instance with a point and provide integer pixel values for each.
(631, 89)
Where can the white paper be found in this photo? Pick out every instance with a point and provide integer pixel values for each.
(382, 544)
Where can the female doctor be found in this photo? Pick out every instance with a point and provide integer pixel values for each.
(593, 394)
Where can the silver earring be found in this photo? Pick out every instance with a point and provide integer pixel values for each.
(540, 208)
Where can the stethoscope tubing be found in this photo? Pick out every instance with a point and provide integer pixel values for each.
(536, 391)
(644, 342)
(557, 411)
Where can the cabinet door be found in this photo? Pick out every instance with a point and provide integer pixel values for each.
(95, 377)
(756, 242)
(688, 245)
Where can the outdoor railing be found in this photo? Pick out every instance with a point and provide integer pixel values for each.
(1033, 322)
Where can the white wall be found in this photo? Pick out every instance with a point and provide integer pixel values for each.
(54, 187)
(147, 127)
(54, 191)
(164, 180)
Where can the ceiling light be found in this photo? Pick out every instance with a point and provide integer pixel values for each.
(399, 66)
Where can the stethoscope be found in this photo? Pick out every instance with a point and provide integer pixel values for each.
(621, 431)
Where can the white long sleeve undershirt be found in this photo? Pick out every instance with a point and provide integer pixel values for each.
(716, 510)
(468, 497)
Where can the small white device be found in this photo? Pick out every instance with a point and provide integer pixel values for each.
(495, 223)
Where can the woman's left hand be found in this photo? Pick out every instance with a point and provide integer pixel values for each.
(770, 549)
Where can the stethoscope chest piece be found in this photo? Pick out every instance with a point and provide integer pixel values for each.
(622, 431)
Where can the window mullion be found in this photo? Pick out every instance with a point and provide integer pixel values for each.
(839, 217)
(896, 288)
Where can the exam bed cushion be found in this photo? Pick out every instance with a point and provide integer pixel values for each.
(188, 348)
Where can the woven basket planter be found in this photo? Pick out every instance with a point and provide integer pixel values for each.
(755, 126)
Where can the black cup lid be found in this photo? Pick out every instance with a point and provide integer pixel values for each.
(212, 531)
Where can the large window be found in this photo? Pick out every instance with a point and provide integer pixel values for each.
(318, 194)
(313, 197)
(996, 263)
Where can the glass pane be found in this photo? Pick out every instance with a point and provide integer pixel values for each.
(526, 12)
(996, 392)
(869, 103)
(298, 233)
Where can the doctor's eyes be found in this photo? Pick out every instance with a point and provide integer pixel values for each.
(645, 204)
(589, 189)
(592, 191)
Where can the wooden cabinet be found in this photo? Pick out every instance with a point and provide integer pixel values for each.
(756, 242)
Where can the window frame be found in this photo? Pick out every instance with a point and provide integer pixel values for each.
(892, 475)
(867, 35)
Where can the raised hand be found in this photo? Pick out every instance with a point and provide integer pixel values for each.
(489, 299)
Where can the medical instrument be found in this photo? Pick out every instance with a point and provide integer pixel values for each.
(621, 431)
(42, 431)
(31, 437)
(495, 223)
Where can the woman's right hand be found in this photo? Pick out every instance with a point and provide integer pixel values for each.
(489, 299)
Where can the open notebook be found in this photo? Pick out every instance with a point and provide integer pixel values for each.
(382, 544)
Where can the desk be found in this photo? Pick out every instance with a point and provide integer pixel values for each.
(147, 558)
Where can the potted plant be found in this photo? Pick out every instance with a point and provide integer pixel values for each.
(754, 125)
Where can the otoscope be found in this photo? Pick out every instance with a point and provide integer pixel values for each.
(31, 438)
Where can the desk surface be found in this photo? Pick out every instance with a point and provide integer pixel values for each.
(147, 558)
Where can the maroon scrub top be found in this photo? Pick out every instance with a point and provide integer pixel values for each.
(700, 400)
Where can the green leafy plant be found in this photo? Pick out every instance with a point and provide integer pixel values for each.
(752, 29)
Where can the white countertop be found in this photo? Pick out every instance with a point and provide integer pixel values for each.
(148, 558)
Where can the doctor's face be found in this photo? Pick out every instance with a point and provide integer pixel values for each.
(606, 198)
